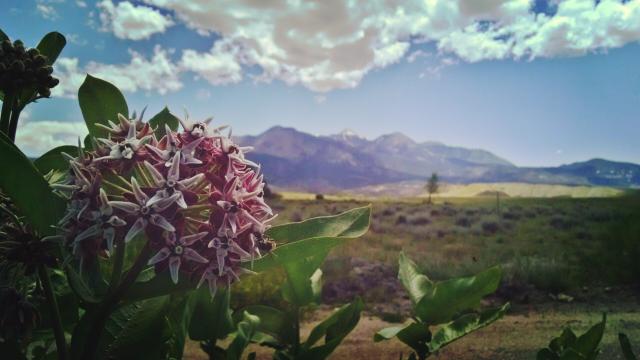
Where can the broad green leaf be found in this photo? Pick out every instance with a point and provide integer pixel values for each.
(160, 119)
(464, 325)
(587, 344)
(80, 287)
(415, 335)
(211, 318)
(334, 329)
(243, 335)
(627, 351)
(564, 341)
(51, 46)
(351, 224)
(416, 284)
(26, 187)
(546, 354)
(303, 280)
(100, 101)
(135, 331)
(273, 322)
(53, 159)
(313, 236)
(178, 319)
(450, 297)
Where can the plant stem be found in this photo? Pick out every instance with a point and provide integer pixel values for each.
(99, 318)
(13, 123)
(5, 118)
(61, 344)
(118, 263)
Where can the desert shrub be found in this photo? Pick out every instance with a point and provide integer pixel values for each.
(463, 221)
(319, 197)
(561, 222)
(551, 275)
(401, 220)
(388, 212)
(490, 227)
(420, 220)
(511, 215)
(296, 216)
(435, 212)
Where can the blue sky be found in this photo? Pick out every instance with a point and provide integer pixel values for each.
(538, 83)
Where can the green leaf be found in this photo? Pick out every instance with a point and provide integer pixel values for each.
(464, 325)
(587, 344)
(415, 335)
(211, 317)
(274, 322)
(450, 297)
(546, 354)
(416, 284)
(135, 331)
(53, 159)
(24, 184)
(179, 320)
(303, 283)
(334, 329)
(51, 46)
(100, 101)
(627, 351)
(243, 335)
(313, 236)
(160, 119)
(351, 224)
(564, 341)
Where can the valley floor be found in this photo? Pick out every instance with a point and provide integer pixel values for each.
(585, 249)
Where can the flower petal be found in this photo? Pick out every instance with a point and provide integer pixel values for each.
(158, 179)
(137, 192)
(128, 207)
(160, 256)
(190, 239)
(174, 266)
(193, 255)
(108, 235)
(135, 229)
(160, 221)
(87, 233)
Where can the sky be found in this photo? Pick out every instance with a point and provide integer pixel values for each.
(540, 83)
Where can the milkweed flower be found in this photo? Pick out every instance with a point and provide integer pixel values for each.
(192, 195)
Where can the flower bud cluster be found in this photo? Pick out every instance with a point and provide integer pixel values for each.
(24, 68)
(192, 195)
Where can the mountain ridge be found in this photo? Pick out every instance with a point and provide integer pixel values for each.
(303, 161)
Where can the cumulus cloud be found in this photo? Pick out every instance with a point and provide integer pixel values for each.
(155, 74)
(128, 21)
(47, 10)
(332, 44)
(37, 137)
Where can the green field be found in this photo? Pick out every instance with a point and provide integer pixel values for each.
(566, 260)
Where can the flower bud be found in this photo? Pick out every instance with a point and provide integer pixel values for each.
(33, 52)
(17, 66)
(39, 60)
(7, 46)
(44, 92)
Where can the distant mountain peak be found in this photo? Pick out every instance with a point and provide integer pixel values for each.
(349, 133)
(395, 139)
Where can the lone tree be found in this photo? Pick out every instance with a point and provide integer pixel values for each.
(432, 185)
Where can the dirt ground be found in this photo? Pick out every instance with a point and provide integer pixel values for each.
(519, 335)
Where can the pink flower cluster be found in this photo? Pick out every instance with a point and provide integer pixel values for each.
(192, 195)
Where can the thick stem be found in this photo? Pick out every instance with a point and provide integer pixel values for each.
(5, 118)
(118, 262)
(99, 318)
(58, 332)
(13, 123)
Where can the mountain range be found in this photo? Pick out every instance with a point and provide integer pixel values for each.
(297, 160)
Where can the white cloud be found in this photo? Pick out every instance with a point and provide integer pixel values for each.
(128, 21)
(332, 44)
(155, 74)
(81, 3)
(47, 10)
(38, 137)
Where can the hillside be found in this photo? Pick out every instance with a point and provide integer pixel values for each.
(301, 161)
